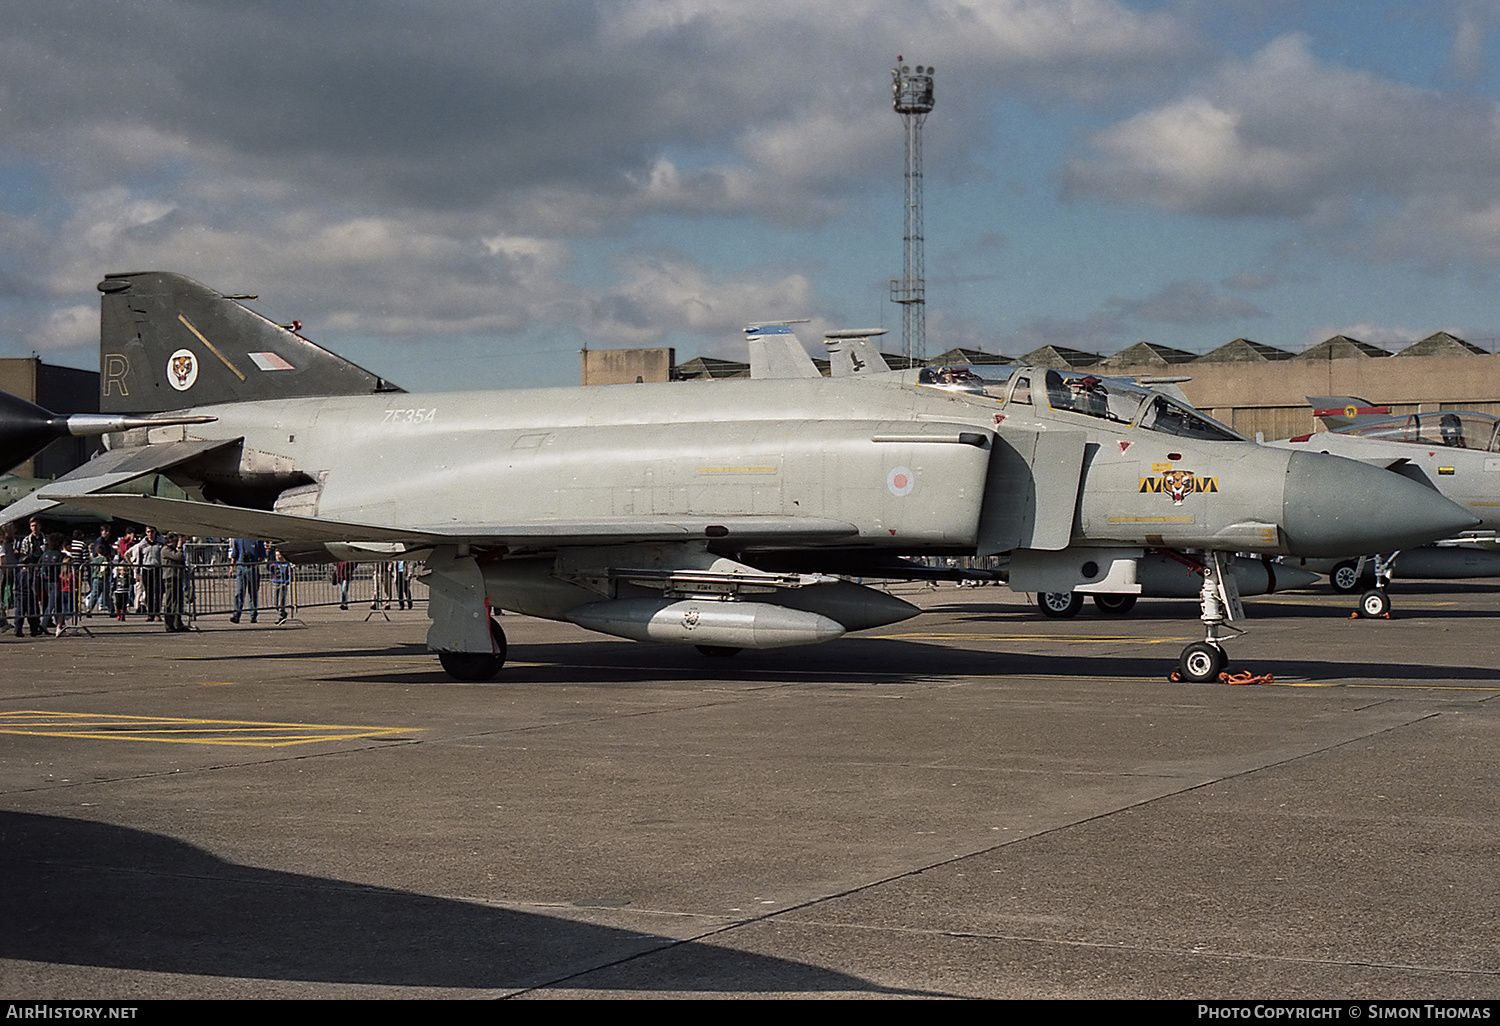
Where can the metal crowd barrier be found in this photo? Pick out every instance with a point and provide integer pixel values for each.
(370, 586)
(44, 597)
(57, 597)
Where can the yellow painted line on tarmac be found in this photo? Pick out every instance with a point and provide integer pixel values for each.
(1059, 638)
(1429, 687)
(183, 730)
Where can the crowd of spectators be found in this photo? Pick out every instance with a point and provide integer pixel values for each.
(49, 579)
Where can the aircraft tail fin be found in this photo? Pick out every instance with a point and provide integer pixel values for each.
(775, 352)
(167, 342)
(851, 352)
(1341, 411)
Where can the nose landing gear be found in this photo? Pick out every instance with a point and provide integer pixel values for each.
(1203, 661)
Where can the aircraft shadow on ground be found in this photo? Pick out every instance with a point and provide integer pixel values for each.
(1293, 605)
(93, 894)
(877, 661)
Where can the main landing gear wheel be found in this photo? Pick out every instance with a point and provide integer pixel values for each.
(1114, 605)
(1059, 605)
(718, 651)
(1374, 603)
(476, 666)
(1202, 662)
(1345, 578)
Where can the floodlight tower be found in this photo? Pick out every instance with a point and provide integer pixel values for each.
(912, 96)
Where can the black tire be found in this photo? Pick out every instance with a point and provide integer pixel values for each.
(718, 651)
(1374, 603)
(477, 666)
(1202, 662)
(1114, 605)
(1345, 578)
(1059, 605)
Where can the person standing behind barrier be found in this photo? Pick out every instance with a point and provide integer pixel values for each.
(281, 584)
(76, 556)
(150, 550)
(247, 554)
(29, 559)
(102, 571)
(341, 573)
(173, 571)
(10, 562)
(50, 574)
(124, 574)
(403, 585)
(121, 586)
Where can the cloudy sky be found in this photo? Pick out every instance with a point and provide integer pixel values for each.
(462, 193)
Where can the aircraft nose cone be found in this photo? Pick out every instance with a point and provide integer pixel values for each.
(1338, 507)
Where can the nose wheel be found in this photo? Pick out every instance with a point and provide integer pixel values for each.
(1202, 662)
(1375, 604)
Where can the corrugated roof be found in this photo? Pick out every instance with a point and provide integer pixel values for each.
(1060, 358)
(1440, 343)
(1148, 354)
(959, 357)
(1242, 350)
(1341, 347)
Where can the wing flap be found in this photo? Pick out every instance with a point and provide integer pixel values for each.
(215, 520)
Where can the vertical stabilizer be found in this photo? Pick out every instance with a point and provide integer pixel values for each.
(1342, 411)
(851, 352)
(167, 342)
(775, 352)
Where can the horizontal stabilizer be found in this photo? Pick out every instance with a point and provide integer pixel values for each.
(110, 469)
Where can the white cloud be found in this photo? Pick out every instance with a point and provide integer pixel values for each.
(1345, 153)
(65, 328)
(664, 294)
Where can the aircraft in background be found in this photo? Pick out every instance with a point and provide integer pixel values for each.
(1456, 453)
(709, 515)
(1177, 575)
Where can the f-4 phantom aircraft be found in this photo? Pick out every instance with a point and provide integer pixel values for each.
(1454, 452)
(698, 514)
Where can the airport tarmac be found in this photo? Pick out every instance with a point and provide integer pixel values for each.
(974, 803)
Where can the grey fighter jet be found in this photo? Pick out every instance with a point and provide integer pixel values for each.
(1456, 453)
(698, 514)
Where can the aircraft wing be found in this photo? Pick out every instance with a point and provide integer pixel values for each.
(107, 470)
(216, 520)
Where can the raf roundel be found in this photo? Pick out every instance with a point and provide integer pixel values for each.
(900, 481)
(182, 369)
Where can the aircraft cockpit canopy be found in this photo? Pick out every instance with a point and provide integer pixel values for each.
(955, 379)
(1452, 429)
(1110, 399)
(1124, 402)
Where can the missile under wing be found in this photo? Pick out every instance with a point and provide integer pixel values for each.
(701, 514)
